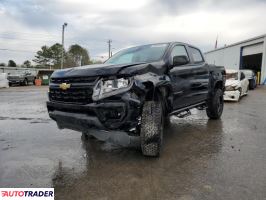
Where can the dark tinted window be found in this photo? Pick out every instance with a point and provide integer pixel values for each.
(196, 55)
(179, 50)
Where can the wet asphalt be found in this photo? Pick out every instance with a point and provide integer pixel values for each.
(201, 158)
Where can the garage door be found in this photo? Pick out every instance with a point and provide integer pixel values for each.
(253, 49)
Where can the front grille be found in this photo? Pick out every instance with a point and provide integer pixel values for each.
(71, 95)
(88, 80)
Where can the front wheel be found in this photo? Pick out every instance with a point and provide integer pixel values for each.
(215, 105)
(151, 130)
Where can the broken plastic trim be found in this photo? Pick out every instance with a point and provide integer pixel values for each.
(98, 93)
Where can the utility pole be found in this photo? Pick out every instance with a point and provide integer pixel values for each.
(109, 47)
(63, 40)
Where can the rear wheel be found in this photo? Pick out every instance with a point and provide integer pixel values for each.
(25, 82)
(215, 105)
(252, 84)
(151, 131)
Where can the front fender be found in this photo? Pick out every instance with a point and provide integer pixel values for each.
(155, 86)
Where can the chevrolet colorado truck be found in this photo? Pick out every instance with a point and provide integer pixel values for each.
(136, 91)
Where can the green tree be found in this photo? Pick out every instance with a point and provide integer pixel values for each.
(50, 56)
(56, 55)
(79, 55)
(69, 61)
(43, 56)
(2, 64)
(11, 63)
(27, 63)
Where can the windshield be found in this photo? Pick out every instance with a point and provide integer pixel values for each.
(146, 53)
(232, 76)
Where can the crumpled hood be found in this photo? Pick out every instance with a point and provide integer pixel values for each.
(232, 83)
(92, 70)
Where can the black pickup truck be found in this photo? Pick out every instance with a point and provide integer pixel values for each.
(136, 91)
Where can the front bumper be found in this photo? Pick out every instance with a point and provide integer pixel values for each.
(232, 95)
(105, 115)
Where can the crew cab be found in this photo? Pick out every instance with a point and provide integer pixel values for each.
(135, 92)
(22, 78)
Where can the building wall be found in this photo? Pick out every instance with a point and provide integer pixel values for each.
(229, 57)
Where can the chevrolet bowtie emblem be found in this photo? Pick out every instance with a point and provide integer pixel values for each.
(64, 86)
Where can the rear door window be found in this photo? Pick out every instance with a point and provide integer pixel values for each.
(196, 55)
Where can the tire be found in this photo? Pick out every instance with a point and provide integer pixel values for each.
(151, 128)
(252, 85)
(25, 82)
(240, 94)
(215, 105)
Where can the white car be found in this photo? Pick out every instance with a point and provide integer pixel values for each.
(236, 85)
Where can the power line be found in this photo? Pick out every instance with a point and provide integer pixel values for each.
(24, 33)
(37, 40)
(17, 50)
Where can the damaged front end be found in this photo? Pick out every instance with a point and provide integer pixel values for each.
(109, 103)
(232, 90)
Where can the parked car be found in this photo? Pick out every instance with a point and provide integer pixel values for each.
(21, 78)
(252, 78)
(135, 91)
(236, 85)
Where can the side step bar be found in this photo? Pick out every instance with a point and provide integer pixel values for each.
(200, 105)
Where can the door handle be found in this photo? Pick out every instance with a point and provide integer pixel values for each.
(196, 84)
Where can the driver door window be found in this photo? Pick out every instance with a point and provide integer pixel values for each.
(179, 50)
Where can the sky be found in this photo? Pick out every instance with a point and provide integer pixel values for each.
(26, 25)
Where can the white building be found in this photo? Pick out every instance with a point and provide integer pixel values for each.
(248, 54)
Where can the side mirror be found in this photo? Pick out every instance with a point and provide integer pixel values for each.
(180, 60)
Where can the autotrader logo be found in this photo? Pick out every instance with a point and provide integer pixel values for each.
(27, 193)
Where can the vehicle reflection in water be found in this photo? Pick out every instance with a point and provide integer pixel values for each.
(191, 148)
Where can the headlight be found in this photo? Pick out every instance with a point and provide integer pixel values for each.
(231, 88)
(106, 88)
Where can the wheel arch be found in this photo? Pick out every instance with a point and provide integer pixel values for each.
(159, 92)
(219, 85)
